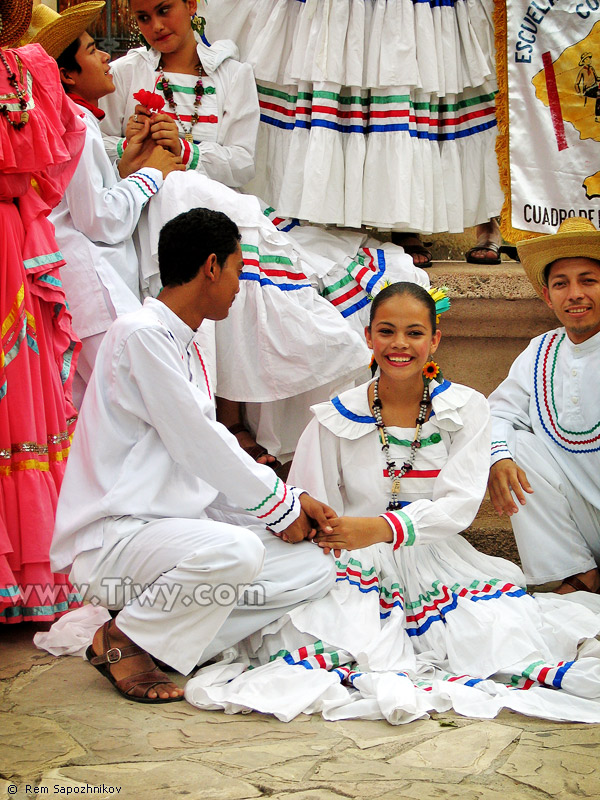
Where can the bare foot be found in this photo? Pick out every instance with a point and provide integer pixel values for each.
(248, 443)
(585, 581)
(132, 665)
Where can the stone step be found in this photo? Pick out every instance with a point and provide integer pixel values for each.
(494, 313)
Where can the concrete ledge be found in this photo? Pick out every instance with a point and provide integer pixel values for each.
(495, 312)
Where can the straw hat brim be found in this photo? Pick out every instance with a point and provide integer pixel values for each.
(16, 16)
(58, 35)
(536, 254)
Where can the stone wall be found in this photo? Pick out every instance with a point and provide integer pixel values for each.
(494, 314)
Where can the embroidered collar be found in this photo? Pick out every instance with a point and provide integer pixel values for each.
(349, 416)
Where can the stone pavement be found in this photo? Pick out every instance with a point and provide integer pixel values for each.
(64, 728)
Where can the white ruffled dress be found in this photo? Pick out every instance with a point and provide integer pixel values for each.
(374, 112)
(428, 623)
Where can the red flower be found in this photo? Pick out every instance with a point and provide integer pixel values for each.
(152, 101)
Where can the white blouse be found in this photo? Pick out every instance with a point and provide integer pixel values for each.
(339, 460)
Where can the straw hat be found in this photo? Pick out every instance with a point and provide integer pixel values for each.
(15, 20)
(577, 237)
(55, 32)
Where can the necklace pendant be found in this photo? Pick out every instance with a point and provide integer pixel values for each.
(188, 137)
(396, 486)
(24, 117)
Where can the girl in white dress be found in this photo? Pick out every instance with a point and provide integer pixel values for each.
(419, 620)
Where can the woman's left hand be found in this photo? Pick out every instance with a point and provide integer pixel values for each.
(351, 533)
(165, 133)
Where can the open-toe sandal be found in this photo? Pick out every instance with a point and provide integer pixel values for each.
(255, 451)
(487, 261)
(579, 586)
(413, 246)
(144, 681)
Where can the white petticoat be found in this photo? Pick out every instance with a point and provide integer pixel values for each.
(373, 112)
(395, 640)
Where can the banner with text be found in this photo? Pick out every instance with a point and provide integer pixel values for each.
(553, 75)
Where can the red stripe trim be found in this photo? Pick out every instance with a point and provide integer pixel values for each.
(188, 117)
(321, 661)
(415, 473)
(203, 370)
(262, 516)
(397, 527)
(554, 102)
(343, 297)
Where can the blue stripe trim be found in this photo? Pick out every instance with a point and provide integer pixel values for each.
(285, 287)
(148, 178)
(356, 307)
(49, 279)
(283, 516)
(39, 261)
(441, 388)
(10, 591)
(379, 273)
(336, 126)
(345, 412)
(33, 344)
(499, 593)
(206, 42)
(473, 681)
(560, 674)
(3, 389)
(358, 585)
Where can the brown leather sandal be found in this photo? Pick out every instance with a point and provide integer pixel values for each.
(141, 680)
(256, 450)
(578, 584)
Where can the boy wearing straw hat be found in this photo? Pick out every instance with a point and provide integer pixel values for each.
(546, 418)
(98, 214)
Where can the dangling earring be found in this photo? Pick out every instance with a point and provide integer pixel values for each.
(198, 25)
(432, 371)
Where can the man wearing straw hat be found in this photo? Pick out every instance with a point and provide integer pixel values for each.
(98, 214)
(546, 418)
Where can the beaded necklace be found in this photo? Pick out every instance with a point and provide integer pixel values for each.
(394, 504)
(168, 93)
(20, 94)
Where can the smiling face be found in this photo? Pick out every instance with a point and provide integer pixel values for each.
(94, 79)
(573, 293)
(401, 337)
(165, 24)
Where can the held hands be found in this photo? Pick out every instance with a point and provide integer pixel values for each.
(164, 132)
(351, 533)
(313, 516)
(143, 151)
(506, 477)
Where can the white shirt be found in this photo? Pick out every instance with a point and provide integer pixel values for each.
(223, 150)
(339, 460)
(553, 390)
(94, 224)
(147, 444)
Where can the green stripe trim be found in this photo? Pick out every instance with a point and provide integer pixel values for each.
(343, 99)
(249, 248)
(10, 591)
(196, 157)
(428, 440)
(528, 670)
(410, 530)
(335, 286)
(273, 493)
(269, 210)
(41, 261)
(290, 98)
(276, 260)
(185, 89)
(120, 148)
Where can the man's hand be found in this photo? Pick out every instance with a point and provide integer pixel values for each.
(351, 533)
(164, 161)
(313, 515)
(505, 478)
(165, 133)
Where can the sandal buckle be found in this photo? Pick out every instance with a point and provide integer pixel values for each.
(113, 659)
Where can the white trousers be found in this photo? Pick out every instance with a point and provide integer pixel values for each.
(557, 530)
(189, 588)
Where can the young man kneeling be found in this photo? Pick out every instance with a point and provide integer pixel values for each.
(162, 515)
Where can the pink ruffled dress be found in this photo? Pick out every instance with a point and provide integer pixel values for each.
(38, 347)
